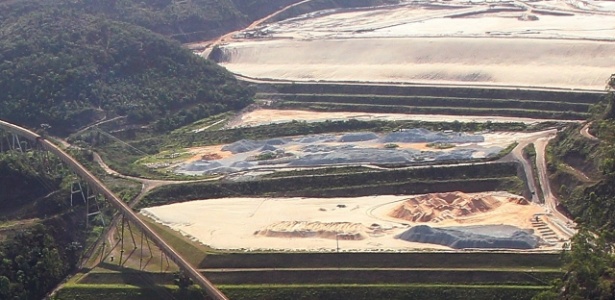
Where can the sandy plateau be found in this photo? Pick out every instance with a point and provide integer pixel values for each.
(552, 44)
(355, 224)
(273, 116)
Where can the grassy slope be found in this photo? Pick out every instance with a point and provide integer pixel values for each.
(272, 292)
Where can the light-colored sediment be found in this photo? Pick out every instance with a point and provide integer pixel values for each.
(273, 116)
(312, 224)
(333, 230)
(421, 43)
(446, 60)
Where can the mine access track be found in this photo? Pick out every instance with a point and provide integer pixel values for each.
(97, 186)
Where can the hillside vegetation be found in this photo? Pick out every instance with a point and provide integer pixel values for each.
(70, 63)
(187, 20)
(591, 200)
(39, 244)
(69, 69)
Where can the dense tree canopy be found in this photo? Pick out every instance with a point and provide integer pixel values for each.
(71, 62)
(37, 259)
(67, 69)
(590, 262)
(185, 21)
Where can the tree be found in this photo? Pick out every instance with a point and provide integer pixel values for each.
(182, 281)
(589, 269)
(5, 287)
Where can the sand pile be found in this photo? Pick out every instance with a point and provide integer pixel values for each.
(439, 206)
(518, 200)
(302, 229)
(211, 156)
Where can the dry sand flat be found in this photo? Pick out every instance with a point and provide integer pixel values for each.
(487, 61)
(360, 224)
(269, 116)
(421, 43)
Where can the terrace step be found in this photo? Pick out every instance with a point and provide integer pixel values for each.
(544, 230)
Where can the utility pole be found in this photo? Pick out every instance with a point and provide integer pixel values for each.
(337, 242)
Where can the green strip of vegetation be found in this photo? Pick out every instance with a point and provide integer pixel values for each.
(427, 179)
(344, 276)
(570, 148)
(339, 291)
(374, 108)
(445, 260)
(440, 91)
(430, 101)
(124, 292)
(195, 253)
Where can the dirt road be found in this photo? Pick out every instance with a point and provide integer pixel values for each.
(560, 220)
(229, 36)
(585, 132)
(148, 184)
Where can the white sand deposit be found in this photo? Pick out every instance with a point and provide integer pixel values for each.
(486, 61)
(360, 224)
(274, 116)
(569, 46)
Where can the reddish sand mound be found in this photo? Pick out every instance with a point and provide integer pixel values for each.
(211, 156)
(439, 206)
(518, 200)
(301, 229)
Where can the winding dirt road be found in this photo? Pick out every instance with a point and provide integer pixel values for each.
(585, 132)
(147, 184)
(229, 36)
(560, 220)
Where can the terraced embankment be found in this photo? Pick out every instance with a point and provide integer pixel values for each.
(543, 104)
(349, 276)
(468, 177)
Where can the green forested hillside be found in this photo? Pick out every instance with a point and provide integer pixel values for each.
(68, 68)
(40, 238)
(69, 63)
(20, 183)
(37, 259)
(188, 20)
(329, 4)
(183, 20)
(590, 262)
(591, 201)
